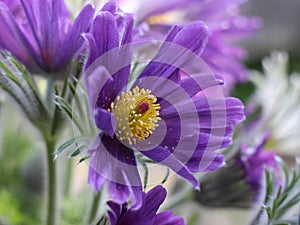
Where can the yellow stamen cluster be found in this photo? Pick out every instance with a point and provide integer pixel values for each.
(137, 114)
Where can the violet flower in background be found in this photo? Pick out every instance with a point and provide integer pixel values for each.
(145, 118)
(253, 162)
(239, 183)
(222, 54)
(41, 34)
(146, 214)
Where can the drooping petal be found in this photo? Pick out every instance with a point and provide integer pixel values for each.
(165, 157)
(116, 163)
(95, 180)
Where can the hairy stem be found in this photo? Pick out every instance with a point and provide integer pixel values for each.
(51, 195)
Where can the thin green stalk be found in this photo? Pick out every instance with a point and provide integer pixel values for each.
(49, 92)
(68, 176)
(94, 209)
(52, 198)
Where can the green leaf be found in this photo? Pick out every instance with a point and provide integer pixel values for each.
(278, 204)
(64, 146)
(83, 159)
(146, 175)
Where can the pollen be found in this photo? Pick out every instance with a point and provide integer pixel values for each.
(137, 114)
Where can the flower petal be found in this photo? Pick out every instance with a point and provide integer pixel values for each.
(105, 34)
(105, 121)
(166, 218)
(146, 214)
(165, 157)
(13, 39)
(178, 49)
(73, 41)
(117, 165)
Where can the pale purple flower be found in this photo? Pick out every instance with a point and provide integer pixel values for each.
(41, 35)
(253, 161)
(239, 183)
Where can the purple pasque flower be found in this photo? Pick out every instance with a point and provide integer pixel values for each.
(239, 183)
(228, 26)
(146, 214)
(253, 161)
(40, 33)
(161, 115)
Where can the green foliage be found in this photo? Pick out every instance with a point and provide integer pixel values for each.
(78, 112)
(280, 199)
(72, 210)
(17, 83)
(11, 210)
(19, 206)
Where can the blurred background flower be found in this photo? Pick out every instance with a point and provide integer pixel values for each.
(45, 42)
(239, 182)
(277, 97)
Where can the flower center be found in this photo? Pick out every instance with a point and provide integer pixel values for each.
(137, 114)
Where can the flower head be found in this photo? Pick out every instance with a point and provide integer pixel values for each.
(160, 114)
(279, 104)
(228, 26)
(146, 214)
(239, 183)
(40, 34)
(253, 162)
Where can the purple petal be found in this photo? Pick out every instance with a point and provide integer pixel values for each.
(191, 38)
(108, 33)
(105, 34)
(146, 214)
(166, 218)
(117, 165)
(165, 157)
(95, 180)
(14, 40)
(105, 121)
(73, 40)
(199, 82)
(115, 212)
(207, 129)
(95, 79)
(118, 192)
